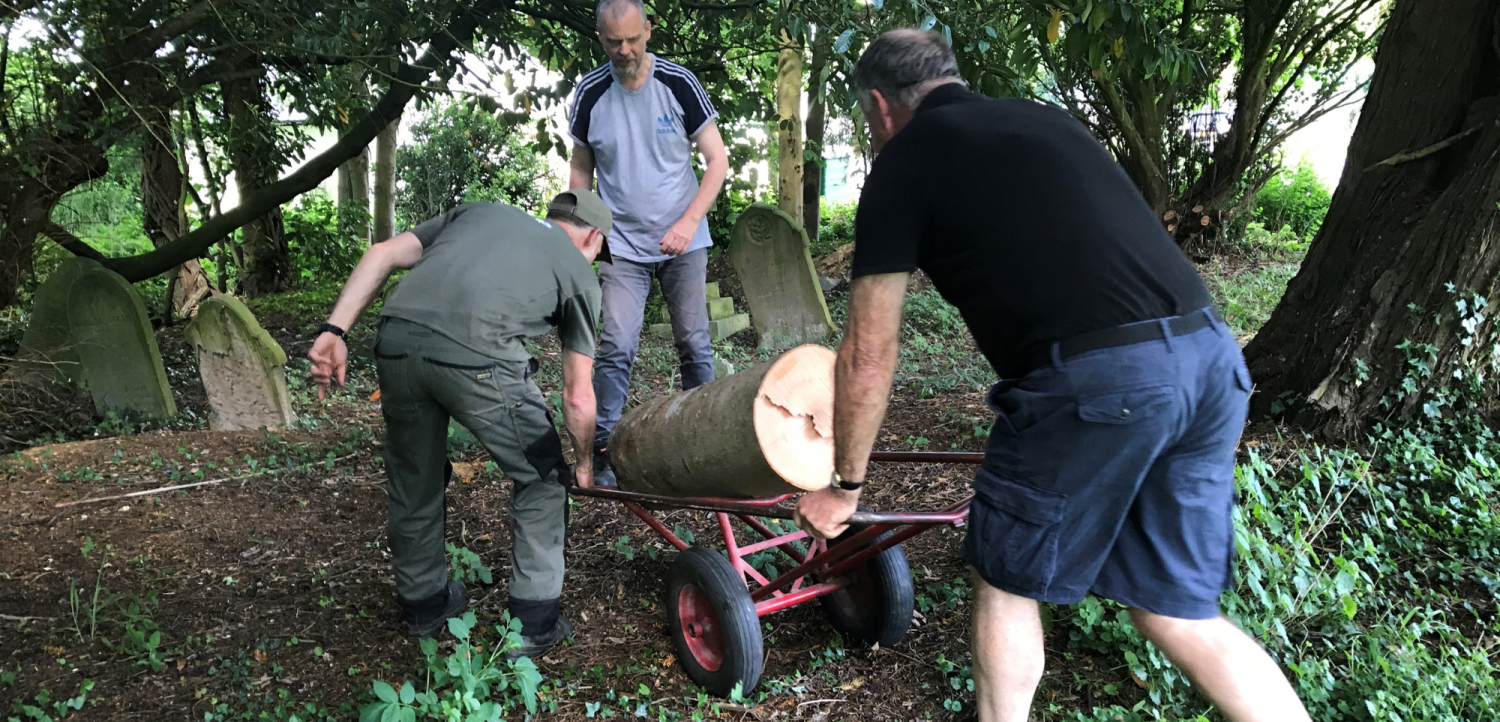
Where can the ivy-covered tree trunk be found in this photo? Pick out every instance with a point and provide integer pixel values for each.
(266, 265)
(817, 116)
(1387, 311)
(163, 195)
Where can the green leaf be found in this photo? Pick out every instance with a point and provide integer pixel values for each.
(372, 712)
(841, 44)
(1344, 582)
(1349, 606)
(384, 691)
(927, 23)
(408, 693)
(990, 32)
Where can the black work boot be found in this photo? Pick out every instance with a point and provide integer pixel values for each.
(425, 618)
(534, 646)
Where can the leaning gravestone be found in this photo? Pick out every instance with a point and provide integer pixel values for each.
(243, 368)
(770, 255)
(117, 354)
(47, 349)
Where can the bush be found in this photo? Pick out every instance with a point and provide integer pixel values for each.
(319, 249)
(837, 221)
(1293, 199)
(462, 153)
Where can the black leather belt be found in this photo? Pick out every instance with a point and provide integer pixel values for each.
(1127, 335)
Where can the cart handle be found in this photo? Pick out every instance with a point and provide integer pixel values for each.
(759, 508)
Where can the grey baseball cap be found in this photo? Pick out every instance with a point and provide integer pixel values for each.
(588, 207)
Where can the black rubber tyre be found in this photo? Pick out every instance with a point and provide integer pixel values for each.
(713, 623)
(877, 606)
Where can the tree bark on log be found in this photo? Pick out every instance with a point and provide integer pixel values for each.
(1383, 311)
(385, 181)
(789, 127)
(761, 432)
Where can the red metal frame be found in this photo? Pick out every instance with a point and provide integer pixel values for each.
(827, 566)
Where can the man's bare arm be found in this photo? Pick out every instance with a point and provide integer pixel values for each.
(581, 167)
(578, 412)
(329, 355)
(862, 385)
(715, 170)
(373, 270)
(866, 365)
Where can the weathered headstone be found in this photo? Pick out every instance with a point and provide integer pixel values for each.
(117, 354)
(770, 255)
(243, 368)
(48, 350)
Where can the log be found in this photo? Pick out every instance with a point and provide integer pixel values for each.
(762, 432)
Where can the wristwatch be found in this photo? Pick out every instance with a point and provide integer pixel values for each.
(839, 482)
(329, 328)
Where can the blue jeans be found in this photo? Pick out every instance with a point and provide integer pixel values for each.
(625, 285)
(1112, 473)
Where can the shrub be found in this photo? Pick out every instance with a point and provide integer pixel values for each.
(462, 153)
(1294, 199)
(319, 249)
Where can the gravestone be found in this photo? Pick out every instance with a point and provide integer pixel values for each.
(48, 350)
(243, 368)
(770, 255)
(117, 354)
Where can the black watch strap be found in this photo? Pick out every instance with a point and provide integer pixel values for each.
(330, 328)
(845, 484)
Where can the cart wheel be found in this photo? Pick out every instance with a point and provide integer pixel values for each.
(876, 607)
(713, 622)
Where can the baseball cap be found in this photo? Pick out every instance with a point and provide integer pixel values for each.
(588, 207)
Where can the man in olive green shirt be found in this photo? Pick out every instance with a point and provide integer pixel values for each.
(484, 276)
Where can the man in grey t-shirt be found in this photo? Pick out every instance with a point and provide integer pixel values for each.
(634, 122)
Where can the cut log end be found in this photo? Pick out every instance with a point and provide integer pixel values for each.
(794, 416)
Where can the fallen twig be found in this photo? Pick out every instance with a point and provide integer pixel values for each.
(147, 492)
(13, 618)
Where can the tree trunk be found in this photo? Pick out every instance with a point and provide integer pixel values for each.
(1386, 294)
(267, 265)
(354, 179)
(789, 127)
(812, 172)
(385, 181)
(761, 432)
(163, 195)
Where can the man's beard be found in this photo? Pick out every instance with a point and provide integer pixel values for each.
(630, 71)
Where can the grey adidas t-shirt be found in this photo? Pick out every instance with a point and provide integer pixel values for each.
(642, 143)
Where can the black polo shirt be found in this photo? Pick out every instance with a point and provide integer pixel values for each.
(1023, 222)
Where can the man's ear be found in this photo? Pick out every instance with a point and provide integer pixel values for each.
(882, 110)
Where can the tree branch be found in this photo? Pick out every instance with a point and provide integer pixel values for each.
(408, 79)
(1437, 147)
(73, 244)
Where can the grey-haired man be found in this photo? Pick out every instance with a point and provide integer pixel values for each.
(1110, 467)
(634, 122)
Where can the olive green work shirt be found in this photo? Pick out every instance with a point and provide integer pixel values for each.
(492, 275)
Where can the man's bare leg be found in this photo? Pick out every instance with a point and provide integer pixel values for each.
(1008, 654)
(1226, 664)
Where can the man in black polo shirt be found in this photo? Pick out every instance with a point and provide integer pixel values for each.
(1110, 467)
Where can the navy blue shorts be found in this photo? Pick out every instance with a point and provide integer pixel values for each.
(1112, 473)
